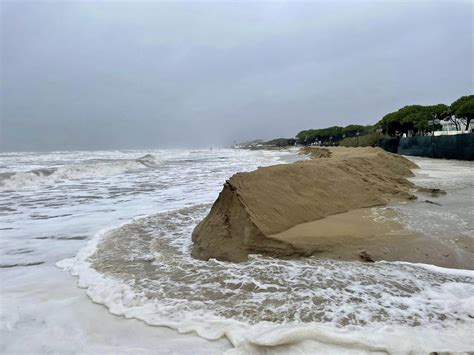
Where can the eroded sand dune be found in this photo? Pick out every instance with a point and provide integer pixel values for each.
(255, 206)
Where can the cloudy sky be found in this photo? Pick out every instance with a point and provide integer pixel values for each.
(107, 74)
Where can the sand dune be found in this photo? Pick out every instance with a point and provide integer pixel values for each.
(254, 206)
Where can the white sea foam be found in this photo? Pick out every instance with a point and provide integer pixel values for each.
(85, 170)
(317, 304)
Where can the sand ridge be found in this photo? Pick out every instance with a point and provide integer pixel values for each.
(256, 205)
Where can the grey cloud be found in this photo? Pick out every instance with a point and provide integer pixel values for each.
(98, 75)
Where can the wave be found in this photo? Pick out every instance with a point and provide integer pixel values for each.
(143, 270)
(88, 169)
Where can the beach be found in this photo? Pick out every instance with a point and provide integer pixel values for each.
(236, 178)
(322, 207)
(361, 234)
(140, 290)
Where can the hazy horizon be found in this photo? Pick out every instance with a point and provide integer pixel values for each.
(99, 75)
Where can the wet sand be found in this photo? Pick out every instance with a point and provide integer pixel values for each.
(360, 234)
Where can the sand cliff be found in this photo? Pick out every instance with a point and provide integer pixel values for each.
(254, 207)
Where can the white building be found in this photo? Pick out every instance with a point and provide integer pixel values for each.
(449, 128)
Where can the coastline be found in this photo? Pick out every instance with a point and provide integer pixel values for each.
(218, 334)
(102, 326)
(260, 212)
(233, 336)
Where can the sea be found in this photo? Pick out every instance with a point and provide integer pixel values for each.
(95, 258)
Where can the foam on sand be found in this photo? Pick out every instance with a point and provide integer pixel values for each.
(143, 270)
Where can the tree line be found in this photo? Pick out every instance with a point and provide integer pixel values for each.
(414, 118)
(331, 134)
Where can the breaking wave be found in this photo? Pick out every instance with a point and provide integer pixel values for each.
(143, 270)
(89, 169)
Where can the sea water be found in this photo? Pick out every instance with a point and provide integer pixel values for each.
(121, 222)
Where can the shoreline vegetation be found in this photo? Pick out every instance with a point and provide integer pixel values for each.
(410, 120)
(322, 207)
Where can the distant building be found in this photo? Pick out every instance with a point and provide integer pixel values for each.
(449, 128)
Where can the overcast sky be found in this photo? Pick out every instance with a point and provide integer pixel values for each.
(105, 75)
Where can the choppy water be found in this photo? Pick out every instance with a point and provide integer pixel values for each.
(53, 203)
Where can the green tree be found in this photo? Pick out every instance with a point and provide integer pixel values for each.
(462, 109)
(410, 118)
(331, 135)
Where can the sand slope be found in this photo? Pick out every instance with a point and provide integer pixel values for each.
(254, 206)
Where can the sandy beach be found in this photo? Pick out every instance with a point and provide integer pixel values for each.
(322, 207)
(361, 235)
